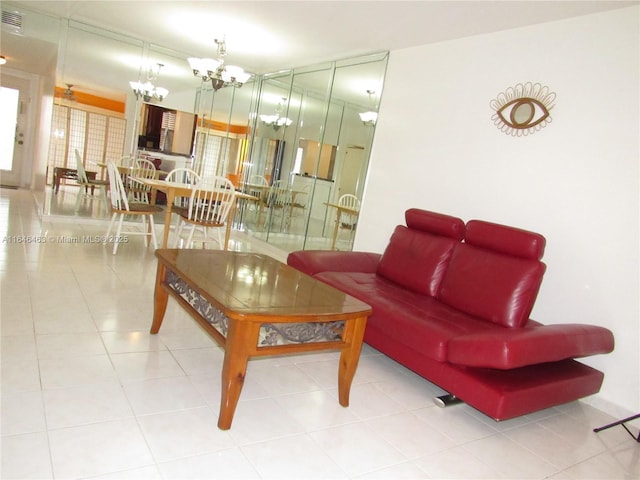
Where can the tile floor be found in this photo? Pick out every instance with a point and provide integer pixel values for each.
(87, 392)
(318, 235)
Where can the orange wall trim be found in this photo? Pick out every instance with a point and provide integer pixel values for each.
(213, 125)
(93, 100)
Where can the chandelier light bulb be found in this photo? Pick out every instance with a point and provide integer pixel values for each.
(147, 91)
(369, 118)
(221, 75)
(160, 93)
(276, 121)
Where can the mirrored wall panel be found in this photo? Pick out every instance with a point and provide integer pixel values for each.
(296, 143)
(313, 132)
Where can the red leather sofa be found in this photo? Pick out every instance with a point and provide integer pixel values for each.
(451, 301)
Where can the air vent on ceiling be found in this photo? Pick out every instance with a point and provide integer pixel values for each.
(12, 21)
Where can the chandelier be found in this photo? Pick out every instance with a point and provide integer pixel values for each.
(276, 121)
(220, 74)
(369, 118)
(147, 91)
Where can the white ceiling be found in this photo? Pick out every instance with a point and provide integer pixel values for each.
(268, 36)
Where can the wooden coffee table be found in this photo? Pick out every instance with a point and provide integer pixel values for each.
(254, 305)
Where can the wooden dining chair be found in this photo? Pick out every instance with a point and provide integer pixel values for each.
(121, 207)
(209, 208)
(85, 183)
(138, 192)
(126, 161)
(183, 175)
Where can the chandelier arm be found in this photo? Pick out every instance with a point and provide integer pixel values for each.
(221, 75)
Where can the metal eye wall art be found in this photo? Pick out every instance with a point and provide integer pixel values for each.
(523, 110)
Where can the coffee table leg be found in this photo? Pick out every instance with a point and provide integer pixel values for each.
(241, 340)
(160, 299)
(353, 335)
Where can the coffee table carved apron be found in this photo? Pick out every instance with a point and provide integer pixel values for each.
(254, 305)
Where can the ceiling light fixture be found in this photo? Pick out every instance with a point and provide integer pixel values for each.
(3, 60)
(369, 118)
(69, 94)
(220, 74)
(276, 121)
(147, 91)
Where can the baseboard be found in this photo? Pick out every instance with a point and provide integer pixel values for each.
(613, 409)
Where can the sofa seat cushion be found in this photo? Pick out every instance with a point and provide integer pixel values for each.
(315, 261)
(418, 321)
(518, 347)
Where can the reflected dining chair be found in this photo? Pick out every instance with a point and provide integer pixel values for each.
(346, 220)
(121, 207)
(300, 203)
(259, 180)
(86, 183)
(257, 187)
(209, 207)
(277, 201)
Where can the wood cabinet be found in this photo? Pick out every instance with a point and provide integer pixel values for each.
(165, 130)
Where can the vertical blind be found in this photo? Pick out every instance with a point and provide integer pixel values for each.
(211, 152)
(98, 137)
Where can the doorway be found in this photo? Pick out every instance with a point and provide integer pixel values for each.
(14, 97)
(352, 170)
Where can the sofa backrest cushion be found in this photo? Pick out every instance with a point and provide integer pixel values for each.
(496, 274)
(504, 239)
(417, 255)
(435, 223)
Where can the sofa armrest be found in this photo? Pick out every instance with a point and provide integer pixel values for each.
(316, 261)
(517, 347)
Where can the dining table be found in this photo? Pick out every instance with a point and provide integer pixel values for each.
(260, 191)
(260, 194)
(178, 189)
(340, 210)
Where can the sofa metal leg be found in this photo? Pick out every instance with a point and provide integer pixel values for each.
(446, 400)
(622, 422)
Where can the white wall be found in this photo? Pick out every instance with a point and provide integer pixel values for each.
(575, 181)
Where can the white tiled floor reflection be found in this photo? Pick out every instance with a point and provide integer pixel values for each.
(87, 392)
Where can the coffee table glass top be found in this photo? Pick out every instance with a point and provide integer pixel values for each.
(253, 284)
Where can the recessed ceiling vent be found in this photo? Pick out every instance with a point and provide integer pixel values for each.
(13, 21)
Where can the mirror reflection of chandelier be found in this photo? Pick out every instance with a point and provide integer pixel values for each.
(276, 121)
(148, 91)
(220, 74)
(369, 118)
